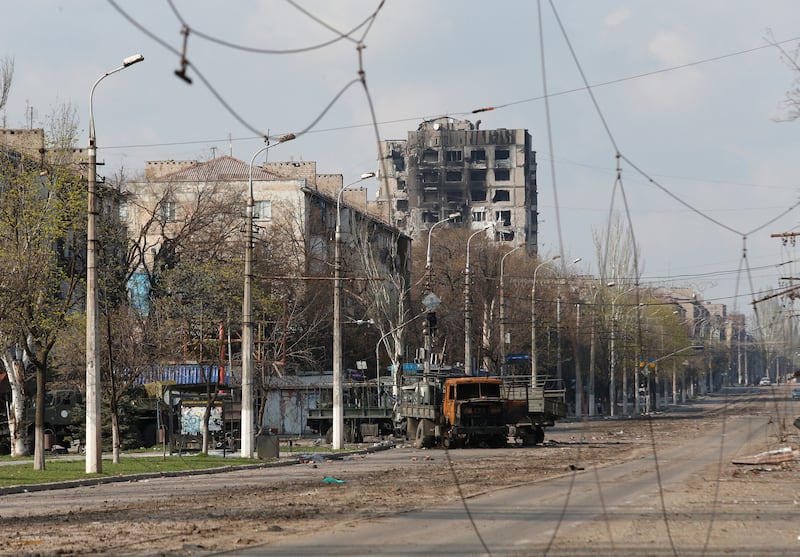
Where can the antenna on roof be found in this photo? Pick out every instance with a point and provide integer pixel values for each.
(230, 144)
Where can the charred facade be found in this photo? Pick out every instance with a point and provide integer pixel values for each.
(449, 167)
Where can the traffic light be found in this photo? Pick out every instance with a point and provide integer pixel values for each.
(432, 323)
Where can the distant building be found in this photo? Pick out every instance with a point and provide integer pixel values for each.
(289, 196)
(31, 143)
(450, 166)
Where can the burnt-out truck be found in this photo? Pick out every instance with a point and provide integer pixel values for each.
(454, 412)
(528, 410)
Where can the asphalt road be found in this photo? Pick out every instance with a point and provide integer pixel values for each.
(539, 519)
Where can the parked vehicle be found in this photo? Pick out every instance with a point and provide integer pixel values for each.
(530, 410)
(479, 411)
(367, 411)
(765, 382)
(458, 412)
(796, 393)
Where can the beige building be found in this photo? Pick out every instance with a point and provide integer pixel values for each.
(290, 198)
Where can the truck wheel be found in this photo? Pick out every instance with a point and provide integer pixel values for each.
(447, 442)
(538, 435)
(424, 439)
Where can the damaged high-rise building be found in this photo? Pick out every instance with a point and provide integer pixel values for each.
(450, 166)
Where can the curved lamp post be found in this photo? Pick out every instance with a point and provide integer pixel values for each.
(533, 318)
(468, 306)
(502, 310)
(428, 339)
(338, 408)
(378, 346)
(248, 411)
(612, 381)
(93, 391)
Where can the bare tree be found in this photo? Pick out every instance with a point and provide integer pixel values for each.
(61, 134)
(6, 77)
(791, 101)
(384, 259)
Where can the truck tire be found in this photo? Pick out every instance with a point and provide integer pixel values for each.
(411, 429)
(425, 438)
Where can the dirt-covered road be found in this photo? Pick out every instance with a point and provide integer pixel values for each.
(216, 513)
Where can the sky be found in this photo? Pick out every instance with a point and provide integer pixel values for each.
(689, 94)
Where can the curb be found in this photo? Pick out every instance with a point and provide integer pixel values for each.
(89, 482)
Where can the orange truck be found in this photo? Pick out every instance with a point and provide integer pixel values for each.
(478, 411)
(456, 412)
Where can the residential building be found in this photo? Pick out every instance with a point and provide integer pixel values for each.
(292, 202)
(449, 166)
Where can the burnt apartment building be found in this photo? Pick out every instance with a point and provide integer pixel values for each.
(449, 166)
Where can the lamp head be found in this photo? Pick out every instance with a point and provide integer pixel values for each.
(367, 175)
(131, 60)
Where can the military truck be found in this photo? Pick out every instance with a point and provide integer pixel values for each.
(367, 411)
(530, 409)
(455, 412)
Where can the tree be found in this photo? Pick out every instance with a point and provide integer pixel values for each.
(6, 78)
(384, 260)
(791, 101)
(620, 266)
(40, 230)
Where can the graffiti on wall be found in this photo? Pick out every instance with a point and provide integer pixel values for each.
(192, 419)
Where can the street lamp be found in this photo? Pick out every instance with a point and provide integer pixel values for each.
(338, 395)
(428, 260)
(248, 412)
(592, 353)
(94, 453)
(468, 306)
(652, 363)
(428, 334)
(502, 311)
(378, 346)
(612, 383)
(533, 315)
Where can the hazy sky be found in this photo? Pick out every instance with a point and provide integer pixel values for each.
(690, 93)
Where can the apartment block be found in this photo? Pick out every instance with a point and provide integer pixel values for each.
(451, 167)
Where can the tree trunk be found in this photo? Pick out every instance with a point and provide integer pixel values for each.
(115, 437)
(16, 412)
(38, 444)
(206, 419)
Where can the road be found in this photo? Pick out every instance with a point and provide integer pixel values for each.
(626, 487)
(541, 518)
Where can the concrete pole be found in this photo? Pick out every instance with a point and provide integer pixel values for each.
(338, 387)
(502, 312)
(534, 377)
(468, 308)
(578, 372)
(94, 452)
(247, 416)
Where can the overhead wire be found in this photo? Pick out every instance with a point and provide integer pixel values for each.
(650, 73)
(374, 122)
(185, 63)
(223, 42)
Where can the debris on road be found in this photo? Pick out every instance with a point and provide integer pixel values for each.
(776, 456)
